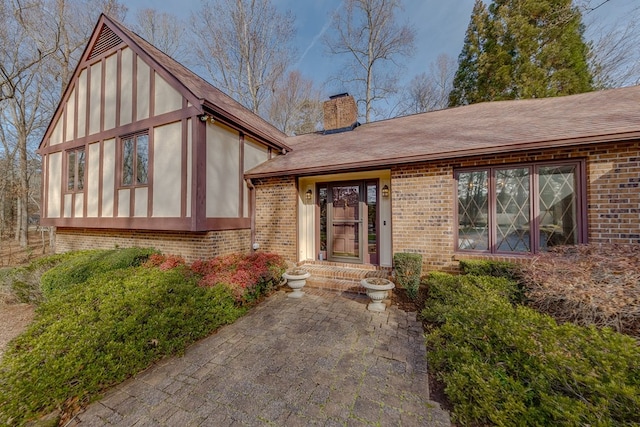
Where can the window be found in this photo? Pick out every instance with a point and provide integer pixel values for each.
(135, 160)
(520, 209)
(75, 169)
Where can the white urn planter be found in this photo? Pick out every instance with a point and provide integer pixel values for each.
(296, 279)
(378, 290)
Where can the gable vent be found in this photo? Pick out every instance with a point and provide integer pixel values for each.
(107, 39)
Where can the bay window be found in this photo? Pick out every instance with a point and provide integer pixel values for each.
(520, 209)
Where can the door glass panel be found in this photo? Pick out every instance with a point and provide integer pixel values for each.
(372, 222)
(558, 208)
(513, 210)
(473, 210)
(322, 196)
(346, 221)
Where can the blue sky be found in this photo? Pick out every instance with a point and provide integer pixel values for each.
(440, 26)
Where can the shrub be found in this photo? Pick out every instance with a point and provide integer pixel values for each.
(22, 284)
(408, 268)
(489, 268)
(506, 364)
(83, 265)
(248, 276)
(588, 284)
(90, 336)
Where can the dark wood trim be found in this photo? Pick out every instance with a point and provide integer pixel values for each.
(199, 175)
(582, 179)
(63, 117)
(241, 176)
(183, 162)
(130, 128)
(226, 224)
(159, 224)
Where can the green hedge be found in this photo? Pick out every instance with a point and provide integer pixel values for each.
(408, 268)
(489, 268)
(22, 284)
(92, 335)
(83, 265)
(505, 364)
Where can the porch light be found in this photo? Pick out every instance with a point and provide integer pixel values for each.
(385, 191)
(308, 195)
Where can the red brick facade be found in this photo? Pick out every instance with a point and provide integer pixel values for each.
(276, 216)
(423, 204)
(423, 210)
(191, 246)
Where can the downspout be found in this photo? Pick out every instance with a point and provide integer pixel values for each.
(252, 213)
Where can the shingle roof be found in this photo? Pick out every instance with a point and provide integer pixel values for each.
(491, 127)
(209, 95)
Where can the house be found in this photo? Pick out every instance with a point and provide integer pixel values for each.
(500, 180)
(143, 152)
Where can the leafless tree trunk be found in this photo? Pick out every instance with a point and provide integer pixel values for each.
(429, 91)
(245, 46)
(367, 32)
(296, 107)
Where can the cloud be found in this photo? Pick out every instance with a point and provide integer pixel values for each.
(315, 39)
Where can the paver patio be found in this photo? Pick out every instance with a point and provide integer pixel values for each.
(319, 360)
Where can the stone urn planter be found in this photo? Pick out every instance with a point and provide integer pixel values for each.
(377, 289)
(296, 279)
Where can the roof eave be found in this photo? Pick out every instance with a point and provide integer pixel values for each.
(225, 116)
(555, 143)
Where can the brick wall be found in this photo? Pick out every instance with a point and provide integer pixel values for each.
(276, 216)
(423, 205)
(191, 246)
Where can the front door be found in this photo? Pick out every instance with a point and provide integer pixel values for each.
(348, 221)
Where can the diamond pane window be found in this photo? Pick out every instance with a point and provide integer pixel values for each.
(473, 210)
(558, 206)
(521, 209)
(513, 210)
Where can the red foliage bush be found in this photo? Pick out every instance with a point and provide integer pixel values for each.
(164, 262)
(588, 285)
(248, 276)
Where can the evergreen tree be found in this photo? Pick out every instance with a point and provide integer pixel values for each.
(522, 49)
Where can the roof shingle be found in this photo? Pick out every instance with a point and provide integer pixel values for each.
(490, 127)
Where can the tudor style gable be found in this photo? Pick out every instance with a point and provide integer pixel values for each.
(133, 146)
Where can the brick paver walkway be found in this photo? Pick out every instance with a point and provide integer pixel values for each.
(319, 360)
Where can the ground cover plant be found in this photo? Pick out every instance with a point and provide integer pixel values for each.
(95, 333)
(588, 285)
(505, 364)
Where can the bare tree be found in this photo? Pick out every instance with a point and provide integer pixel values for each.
(430, 91)
(245, 46)
(295, 107)
(614, 56)
(165, 31)
(367, 32)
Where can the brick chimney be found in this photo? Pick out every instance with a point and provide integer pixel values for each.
(340, 113)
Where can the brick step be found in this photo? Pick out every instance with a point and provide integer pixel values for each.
(343, 278)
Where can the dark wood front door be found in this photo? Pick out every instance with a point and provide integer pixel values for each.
(348, 221)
